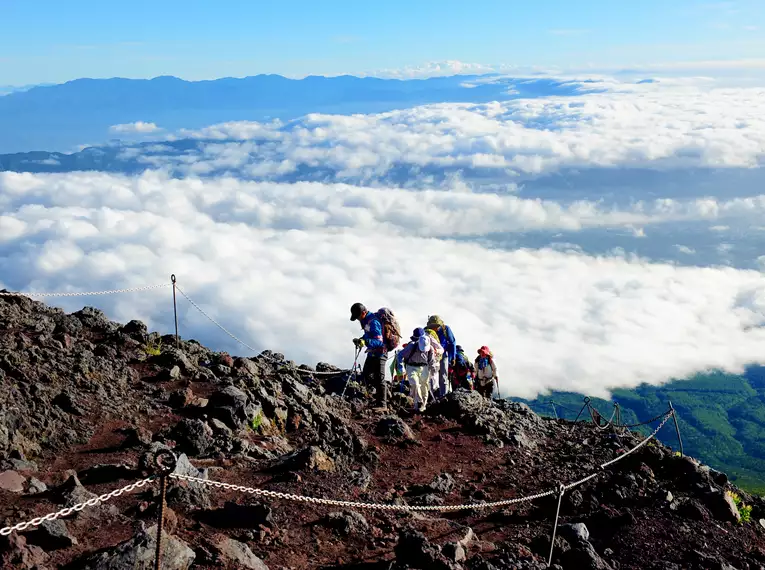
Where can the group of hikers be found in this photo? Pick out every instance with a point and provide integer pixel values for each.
(431, 363)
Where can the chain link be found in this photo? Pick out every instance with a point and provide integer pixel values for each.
(75, 508)
(213, 321)
(388, 507)
(356, 504)
(669, 414)
(237, 339)
(660, 416)
(81, 293)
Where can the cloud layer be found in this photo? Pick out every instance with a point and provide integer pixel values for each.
(646, 126)
(279, 265)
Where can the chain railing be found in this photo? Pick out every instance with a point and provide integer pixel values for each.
(75, 508)
(80, 293)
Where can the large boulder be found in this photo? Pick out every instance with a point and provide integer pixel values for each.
(51, 535)
(193, 436)
(138, 553)
(347, 523)
(309, 459)
(239, 554)
(233, 407)
(393, 427)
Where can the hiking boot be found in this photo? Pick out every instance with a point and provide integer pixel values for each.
(380, 409)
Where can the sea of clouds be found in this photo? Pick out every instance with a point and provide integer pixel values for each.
(275, 229)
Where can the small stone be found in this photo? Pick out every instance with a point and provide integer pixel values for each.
(576, 532)
(36, 486)
(454, 551)
(347, 523)
(175, 373)
(12, 481)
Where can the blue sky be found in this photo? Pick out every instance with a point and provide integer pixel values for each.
(52, 41)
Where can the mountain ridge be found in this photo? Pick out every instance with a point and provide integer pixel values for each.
(88, 402)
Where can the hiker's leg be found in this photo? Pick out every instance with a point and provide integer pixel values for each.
(443, 377)
(413, 387)
(367, 373)
(381, 387)
(423, 383)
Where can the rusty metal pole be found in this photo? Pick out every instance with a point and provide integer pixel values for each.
(561, 489)
(586, 403)
(175, 312)
(677, 427)
(165, 462)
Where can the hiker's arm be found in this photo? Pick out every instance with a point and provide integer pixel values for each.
(374, 338)
(451, 345)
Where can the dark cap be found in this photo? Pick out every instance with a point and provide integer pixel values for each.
(356, 310)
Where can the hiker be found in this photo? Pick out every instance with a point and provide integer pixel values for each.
(462, 371)
(485, 372)
(397, 371)
(421, 362)
(381, 335)
(446, 340)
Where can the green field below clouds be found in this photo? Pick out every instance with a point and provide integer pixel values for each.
(722, 419)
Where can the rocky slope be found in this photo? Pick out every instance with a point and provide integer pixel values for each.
(85, 402)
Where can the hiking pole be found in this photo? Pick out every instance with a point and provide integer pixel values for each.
(499, 395)
(353, 373)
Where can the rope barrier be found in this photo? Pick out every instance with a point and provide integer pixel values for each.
(80, 293)
(237, 339)
(414, 508)
(76, 508)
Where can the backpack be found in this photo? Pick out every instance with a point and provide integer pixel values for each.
(391, 331)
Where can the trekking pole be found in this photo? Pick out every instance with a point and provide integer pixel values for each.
(353, 373)
(499, 394)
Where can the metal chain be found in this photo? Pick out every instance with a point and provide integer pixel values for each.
(441, 508)
(597, 425)
(213, 321)
(355, 504)
(76, 508)
(619, 458)
(641, 444)
(237, 339)
(81, 293)
(660, 416)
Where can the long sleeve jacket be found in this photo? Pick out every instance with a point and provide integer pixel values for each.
(373, 334)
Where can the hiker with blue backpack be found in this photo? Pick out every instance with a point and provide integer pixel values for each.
(447, 342)
(421, 363)
(381, 335)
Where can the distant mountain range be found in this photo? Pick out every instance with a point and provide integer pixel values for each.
(722, 418)
(80, 112)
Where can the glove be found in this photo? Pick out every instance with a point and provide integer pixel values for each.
(359, 342)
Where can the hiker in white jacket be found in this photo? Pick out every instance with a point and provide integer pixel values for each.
(421, 364)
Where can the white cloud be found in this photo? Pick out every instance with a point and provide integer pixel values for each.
(508, 141)
(139, 127)
(280, 266)
(314, 206)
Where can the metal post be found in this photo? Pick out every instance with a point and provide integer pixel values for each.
(561, 489)
(618, 414)
(555, 412)
(175, 312)
(353, 372)
(165, 462)
(586, 403)
(677, 427)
